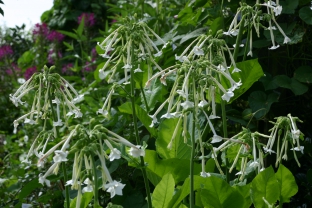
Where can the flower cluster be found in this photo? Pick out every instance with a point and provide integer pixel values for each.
(41, 30)
(253, 17)
(66, 69)
(136, 42)
(47, 84)
(89, 19)
(29, 72)
(5, 50)
(55, 36)
(85, 147)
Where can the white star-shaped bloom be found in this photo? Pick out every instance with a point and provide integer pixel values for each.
(158, 54)
(114, 154)
(58, 123)
(187, 104)
(167, 115)
(204, 174)
(274, 47)
(138, 70)
(43, 180)
(60, 156)
(89, 187)
(278, 10)
(181, 58)
(127, 66)
(249, 53)
(295, 134)
(29, 121)
(114, 188)
(236, 70)
(137, 151)
(78, 99)
(154, 121)
(286, 40)
(216, 139)
(103, 112)
(254, 164)
(298, 149)
(227, 96)
(198, 51)
(202, 103)
(266, 150)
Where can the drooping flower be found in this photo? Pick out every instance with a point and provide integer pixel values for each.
(204, 174)
(137, 151)
(60, 156)
(89, 187)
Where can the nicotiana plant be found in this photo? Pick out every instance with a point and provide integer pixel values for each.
(205, 75)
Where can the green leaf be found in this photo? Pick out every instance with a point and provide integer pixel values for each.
(179, 149)
(141, 114)
(265, 185)
(290, 83)
(69, 46)
(289, 6)
(194, 34)
(305, 13)
(245, 192)
(220, 193)
(217, 24)
(287, 182)
(155, 93)
(250, 72)
(304, 74)
(28, 188)
(85, 200)
(70, 34)
(260, 102)
(163, 192)
(269, 82)
(179, 168)
(81, 26)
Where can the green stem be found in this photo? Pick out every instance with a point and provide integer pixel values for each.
(192, 196)
(239, 38)
(135, 124)
(247, 44)
(225, 135)
(96, 186)
(144, 98)
(54, 116)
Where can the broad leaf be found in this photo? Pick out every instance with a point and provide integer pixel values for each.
(141, 114)
(261, 102)
(305, 13)
(250, 72)
(304, 74)
(28, 188)
(194, 34)
(289, 6)
(245, 192)
(153, 94)
(287, 182)
(179, 168)
(179, 149)
(163, 192)
(70, 34)
(290, 83)
(265, 185)
(85, 200)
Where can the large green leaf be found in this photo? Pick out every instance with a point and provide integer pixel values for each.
(221, 195)
(250, 72)
(216, 193)
(141, 114)
(287, 182)
(153, 94)
(289, 6)
(305, 13)
(163, 192)
(28, 188)
(304, 74)
(179, 149)
(260, 102)
(245, 192)
(291, 83)
(179, 168)
(85, 200)
(265, 185)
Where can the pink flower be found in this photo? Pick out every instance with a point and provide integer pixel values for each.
(11, 68)
(5, 50)
(89, 19)
(55, 36)
(40, 30)
(66, 69)
(29, 72)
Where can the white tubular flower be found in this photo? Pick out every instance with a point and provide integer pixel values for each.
(43, 178)
(168, 115)
(89, 187)
(204, 174)
(154, 120)
(278, 10)
(103, 112)
(254, 164)
(227, 95)
(286, 40)
(301, 148)
(29, 121)
(78, 99)
(114, 188)
(187, 104)
(182, 58)
(114, 152)
(274, 47)
(60, 156)
(267, 150)
(202, 103)
(137, 151)
(138, 70)
(249, 53)
(216, 139)
(198, 51)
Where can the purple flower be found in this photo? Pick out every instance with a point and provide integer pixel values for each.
(53, 56)
(89, 19)
(5, 50)
(11, 68)
(55, 36)
(41, 30)
(93, 53)
(29, 72)
(66, 69)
